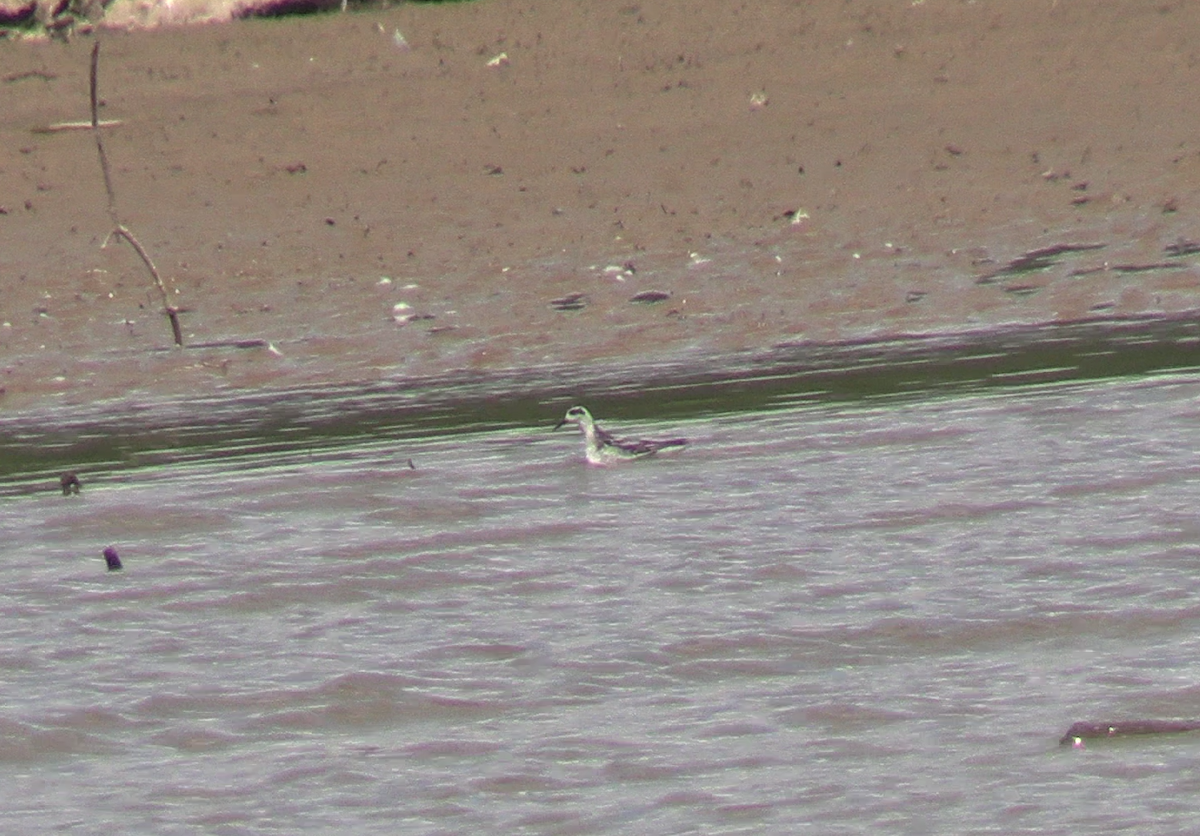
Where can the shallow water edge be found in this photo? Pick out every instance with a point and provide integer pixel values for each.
(125, 433)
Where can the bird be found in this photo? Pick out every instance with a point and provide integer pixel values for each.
(602, 447)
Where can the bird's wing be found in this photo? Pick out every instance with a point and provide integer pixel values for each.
(606, 437)
(646, 447)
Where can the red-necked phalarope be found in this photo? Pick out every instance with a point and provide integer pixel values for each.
(602, 447)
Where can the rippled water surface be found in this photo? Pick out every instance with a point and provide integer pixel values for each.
(839, 618)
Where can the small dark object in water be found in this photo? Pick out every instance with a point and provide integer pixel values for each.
(649, 297)
(411, 466)
(570, 302)
(1181, 248)
(1082, 731)
(110, 557)
(1145, 268)
(70, 483)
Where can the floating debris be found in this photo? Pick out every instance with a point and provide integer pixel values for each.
(1022, 289)
(27, 74)
(1146, 268)
(1124, 728)
(112, 560)
(1181, 248)
(70, 483)
(619, 272)
(1034, 260)
(758, 100)
(253, 342)
(650, 297)
(796, 216)
(915, 296)
(499, 60)
(570, 302)
(402, 312)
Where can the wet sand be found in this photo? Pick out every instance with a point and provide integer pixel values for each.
(435, 190)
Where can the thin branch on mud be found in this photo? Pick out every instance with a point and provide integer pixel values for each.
(119, 229)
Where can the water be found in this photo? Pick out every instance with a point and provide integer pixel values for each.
(841, 617)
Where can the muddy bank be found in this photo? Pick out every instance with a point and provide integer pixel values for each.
(431, 190)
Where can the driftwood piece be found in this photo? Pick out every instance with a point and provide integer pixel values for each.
(1124, 728)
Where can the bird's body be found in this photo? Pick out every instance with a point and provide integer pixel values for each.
(602, 447)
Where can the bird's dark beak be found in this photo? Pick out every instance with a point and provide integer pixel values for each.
(561, 423)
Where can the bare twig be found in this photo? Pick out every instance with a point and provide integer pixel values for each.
(119, 229)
